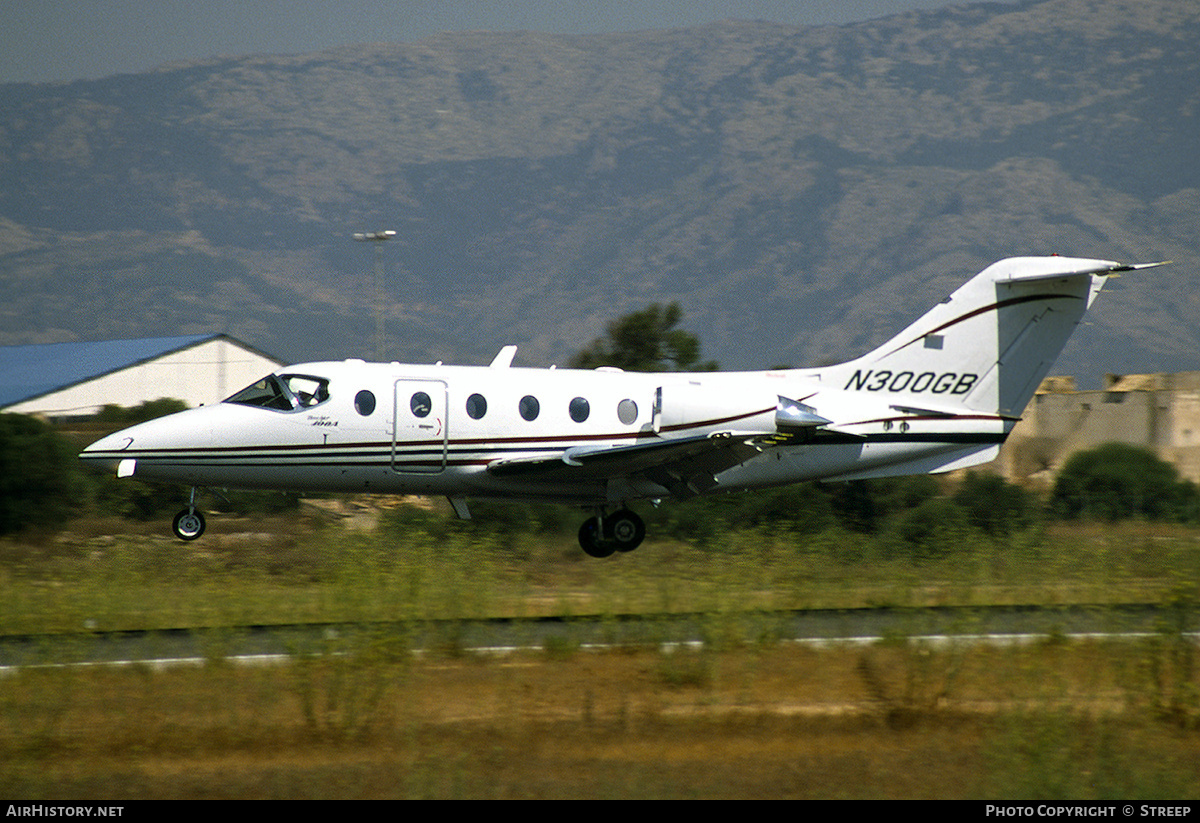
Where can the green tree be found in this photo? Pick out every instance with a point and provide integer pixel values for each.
(148, 410)
(39, 479)
(934, 528)
(1116, 481)
(646, 341)
(995, 505)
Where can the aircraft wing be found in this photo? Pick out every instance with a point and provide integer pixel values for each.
(685, 466)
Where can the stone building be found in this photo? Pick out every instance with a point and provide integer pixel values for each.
(1158, 411)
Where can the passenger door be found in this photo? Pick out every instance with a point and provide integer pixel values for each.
(421, 437)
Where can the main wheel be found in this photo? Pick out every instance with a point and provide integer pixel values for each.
(592, 542)
(188, 524)
(625, 529)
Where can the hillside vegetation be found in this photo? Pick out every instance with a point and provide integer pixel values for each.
(801, 192)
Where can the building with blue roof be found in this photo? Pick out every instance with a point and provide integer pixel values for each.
(78, 379)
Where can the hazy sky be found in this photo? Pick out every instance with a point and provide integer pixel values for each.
(47, 40)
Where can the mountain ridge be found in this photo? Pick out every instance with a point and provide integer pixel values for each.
(802, 192)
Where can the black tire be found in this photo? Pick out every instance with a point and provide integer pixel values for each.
(592, 542)
(625, 530)
(188, 524)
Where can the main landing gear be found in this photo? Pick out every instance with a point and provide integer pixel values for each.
(621, 531)
(189, 523)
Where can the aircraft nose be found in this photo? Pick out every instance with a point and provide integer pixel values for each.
(107, 452)
(153, 441)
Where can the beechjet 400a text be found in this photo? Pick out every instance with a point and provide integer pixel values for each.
(941, 395)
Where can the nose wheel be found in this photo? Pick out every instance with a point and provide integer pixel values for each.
(188, 524)
(621, 531)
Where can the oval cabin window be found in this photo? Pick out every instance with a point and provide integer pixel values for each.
(476, 406)
(529, 407)
(420, 404)
(364, 403)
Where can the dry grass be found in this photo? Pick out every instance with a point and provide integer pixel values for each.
(893, 721)
(744, 717)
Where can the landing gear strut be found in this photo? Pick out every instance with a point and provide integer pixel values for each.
(602, 535)
(189, 523)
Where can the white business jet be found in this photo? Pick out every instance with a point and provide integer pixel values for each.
(941, 395)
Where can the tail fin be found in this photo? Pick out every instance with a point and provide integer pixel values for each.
(988, 345)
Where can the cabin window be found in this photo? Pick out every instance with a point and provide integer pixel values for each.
(476, 406)
(308, 391)
(627, 411)
(267, 393)
(420, 404)
(364, 403)
(284, 392)
(529, 407)
(579, 409)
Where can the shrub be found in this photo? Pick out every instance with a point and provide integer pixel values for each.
(1116, 481)
(39, 476)
(149, 410)
(934, 528)
(995, 506)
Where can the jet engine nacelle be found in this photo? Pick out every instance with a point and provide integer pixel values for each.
(688, 405)
(792, 415)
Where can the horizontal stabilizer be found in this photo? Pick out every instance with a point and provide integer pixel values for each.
(1031, 269)
(931, 411)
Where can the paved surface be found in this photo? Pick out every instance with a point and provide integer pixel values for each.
(996, 624)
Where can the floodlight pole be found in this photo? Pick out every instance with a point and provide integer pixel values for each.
(377, 237)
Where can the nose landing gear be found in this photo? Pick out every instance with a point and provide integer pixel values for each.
(602, 535)
(189, 523)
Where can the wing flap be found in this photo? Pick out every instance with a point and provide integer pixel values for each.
(684, 466)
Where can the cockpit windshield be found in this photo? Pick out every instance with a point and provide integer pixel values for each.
(284, 392)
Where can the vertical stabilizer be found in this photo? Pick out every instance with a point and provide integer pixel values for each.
(988, 345)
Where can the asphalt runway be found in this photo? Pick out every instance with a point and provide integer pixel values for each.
(271, 643)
